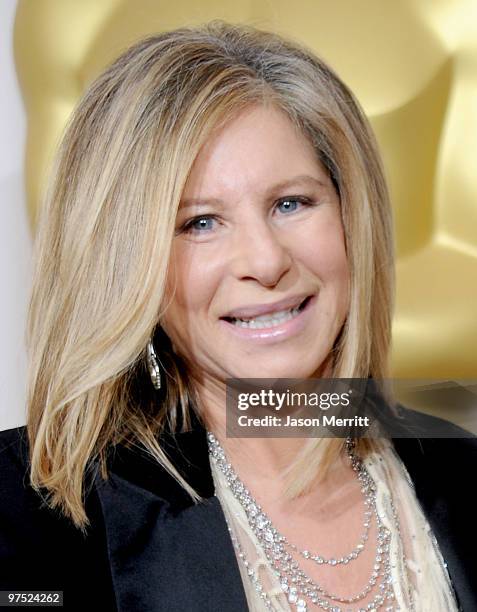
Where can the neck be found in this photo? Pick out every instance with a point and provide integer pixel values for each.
(259, 462)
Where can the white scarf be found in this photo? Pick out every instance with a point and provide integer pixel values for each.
(421, 582)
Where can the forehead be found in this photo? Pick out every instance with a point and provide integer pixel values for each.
(259, 146)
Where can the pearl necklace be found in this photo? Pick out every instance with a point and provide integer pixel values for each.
(293, 580)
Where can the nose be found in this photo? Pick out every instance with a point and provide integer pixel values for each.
(260, 253)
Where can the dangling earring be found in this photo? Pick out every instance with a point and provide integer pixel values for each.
(153, 365)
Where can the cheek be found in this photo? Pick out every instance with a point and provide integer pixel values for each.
(190, 285)
(325, 254)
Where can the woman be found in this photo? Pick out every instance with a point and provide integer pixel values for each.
(218, 210)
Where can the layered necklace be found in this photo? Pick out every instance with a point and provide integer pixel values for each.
(298, 587)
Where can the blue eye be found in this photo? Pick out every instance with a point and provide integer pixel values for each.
(291, 204)
(198, 224)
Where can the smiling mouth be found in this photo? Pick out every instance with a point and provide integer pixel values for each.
(269, 320)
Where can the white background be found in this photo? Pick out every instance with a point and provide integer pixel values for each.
(15, 239)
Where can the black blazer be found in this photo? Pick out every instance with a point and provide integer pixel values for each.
(150, 548)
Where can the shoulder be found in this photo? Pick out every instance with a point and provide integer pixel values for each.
(18, 498)
(40, 549)
(429, 426)
(22, 509)
(13, 467)
(14, 445)
(435, 447)
(435, 438)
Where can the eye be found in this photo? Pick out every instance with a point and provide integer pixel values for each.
(291, 204)
(197, 225)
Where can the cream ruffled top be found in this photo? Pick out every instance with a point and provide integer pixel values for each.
(421, 582)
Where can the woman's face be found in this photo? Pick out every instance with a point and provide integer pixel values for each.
(258, 282)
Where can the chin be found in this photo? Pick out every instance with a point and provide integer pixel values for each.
(283, 370)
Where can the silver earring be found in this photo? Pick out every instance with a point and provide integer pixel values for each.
(153, 366)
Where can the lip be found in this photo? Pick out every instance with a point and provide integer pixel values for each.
(256, 310)
(273, 334)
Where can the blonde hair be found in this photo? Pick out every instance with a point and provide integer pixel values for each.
(106, 230)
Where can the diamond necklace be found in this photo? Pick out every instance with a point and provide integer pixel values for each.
(293, 580)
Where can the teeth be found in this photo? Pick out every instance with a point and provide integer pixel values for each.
(268, 320)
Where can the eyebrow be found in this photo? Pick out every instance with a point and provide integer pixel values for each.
(300, 180)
